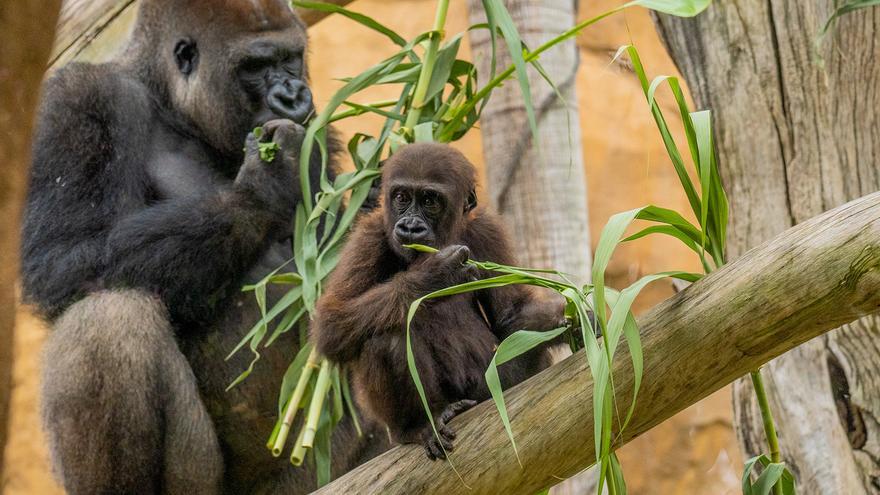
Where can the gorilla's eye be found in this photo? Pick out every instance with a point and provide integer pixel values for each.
(401, 199)
(186, 55)
(430, 201)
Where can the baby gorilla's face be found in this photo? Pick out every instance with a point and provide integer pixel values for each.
(427, 192)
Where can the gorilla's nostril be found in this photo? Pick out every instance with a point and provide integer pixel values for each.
(290, 99)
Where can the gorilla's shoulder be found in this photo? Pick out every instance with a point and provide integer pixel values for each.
(97, 90)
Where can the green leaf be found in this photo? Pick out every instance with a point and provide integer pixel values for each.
(442, 70)
(665, 134)
(680, 8)
(513, 346)
(424, 132)
(355, 16)
(498, 13)
(321, 447)
(703, 128)
(846, 8)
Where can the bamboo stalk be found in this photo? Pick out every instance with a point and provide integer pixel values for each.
(321, 388)
(769, 426)
(299, 450)
(412, 119)
(293, 404)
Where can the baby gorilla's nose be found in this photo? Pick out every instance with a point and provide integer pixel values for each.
(411, 230)
(290, 99)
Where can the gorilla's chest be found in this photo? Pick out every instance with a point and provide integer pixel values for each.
(179, 167)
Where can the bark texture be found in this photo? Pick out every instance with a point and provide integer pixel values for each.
(814, 277)
(540, 190)
(26, 34)
(798, 132)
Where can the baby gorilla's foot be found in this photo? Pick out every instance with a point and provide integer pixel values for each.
(436, 448)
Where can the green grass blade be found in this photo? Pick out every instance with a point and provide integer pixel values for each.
(680, 8)
(291, 376)
(845, 8)
(362, 19)
(496, 10)
(703, 128)
(513, 346)
(443, 67)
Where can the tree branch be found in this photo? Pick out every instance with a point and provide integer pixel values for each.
(812, 278)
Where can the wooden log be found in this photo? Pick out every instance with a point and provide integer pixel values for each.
(92, 30)
(810, 279)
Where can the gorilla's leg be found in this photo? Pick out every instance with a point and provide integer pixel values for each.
(120, 402)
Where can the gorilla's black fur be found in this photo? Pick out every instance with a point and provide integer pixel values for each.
(144, 218)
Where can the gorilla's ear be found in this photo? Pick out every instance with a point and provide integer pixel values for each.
(471, 201)
(186, 55)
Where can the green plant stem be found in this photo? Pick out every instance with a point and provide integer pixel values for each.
(412, 119)
(293, 404)
(321, 388)
(362, 109)
(299, 450)
(769, 426)
(530, 56)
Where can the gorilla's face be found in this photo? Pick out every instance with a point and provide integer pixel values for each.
(230, 79)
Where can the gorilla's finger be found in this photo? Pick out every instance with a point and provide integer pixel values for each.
(272, 126)
(251, 144)
(428, 452)
(471, 273)
(462, 254)
(456, 408)
(445, 431)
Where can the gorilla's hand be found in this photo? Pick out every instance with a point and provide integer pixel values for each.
(274, 184)
(445, 268)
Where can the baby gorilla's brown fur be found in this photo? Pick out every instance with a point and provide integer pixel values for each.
(428, 198)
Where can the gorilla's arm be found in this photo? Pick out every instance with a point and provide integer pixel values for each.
(514, 307)
(358, 302)
(89, 222)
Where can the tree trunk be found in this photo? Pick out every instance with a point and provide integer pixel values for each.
(797, 134)
(27, 28)
(540, 191)
(812, 278)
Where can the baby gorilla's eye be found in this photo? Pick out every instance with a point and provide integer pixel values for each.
(431, 202)
(401, 199)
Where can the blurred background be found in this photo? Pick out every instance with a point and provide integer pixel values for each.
(626, 166)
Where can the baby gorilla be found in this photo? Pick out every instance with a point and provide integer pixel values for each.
(428, 198)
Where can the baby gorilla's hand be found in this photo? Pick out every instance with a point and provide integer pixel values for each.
(437, 448)
(446, 268)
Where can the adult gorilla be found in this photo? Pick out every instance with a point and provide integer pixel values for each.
(145, 216)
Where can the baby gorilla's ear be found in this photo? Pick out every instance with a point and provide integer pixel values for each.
(471, 201)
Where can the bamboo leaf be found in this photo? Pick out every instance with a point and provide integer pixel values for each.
(513, 346)
(846, 8)
(680, 8)
(355, 16)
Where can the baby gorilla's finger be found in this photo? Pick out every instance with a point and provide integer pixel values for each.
(471, 273)
(445, 431)
(461, 254)
(434, 450)
(456, 408)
